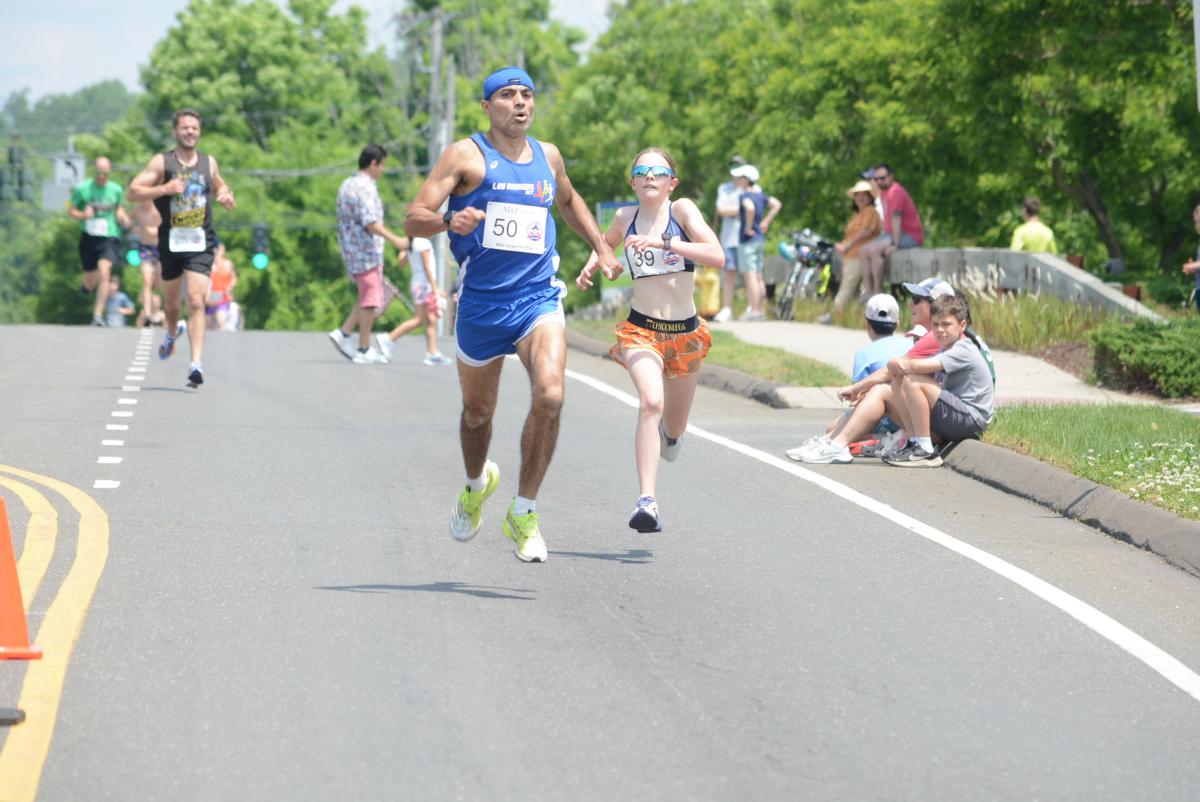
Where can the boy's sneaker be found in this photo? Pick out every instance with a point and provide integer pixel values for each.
(808, 445)
(369, 357)
(385, 344)
(523, 530)
(436, 360)
(467, 514)
(914, 456)
(824, 453)
(645, 516)
(668, 447)
(343, 343)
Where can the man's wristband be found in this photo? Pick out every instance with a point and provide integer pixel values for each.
(447, 218)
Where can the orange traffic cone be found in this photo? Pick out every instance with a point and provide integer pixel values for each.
(14, 637)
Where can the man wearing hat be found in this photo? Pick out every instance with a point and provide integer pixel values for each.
(500, 186)
(757, 210)
(726, 226)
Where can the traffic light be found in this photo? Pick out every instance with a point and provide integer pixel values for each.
(25, 184)
(262, 244)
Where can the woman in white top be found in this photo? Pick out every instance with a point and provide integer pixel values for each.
(663, 343)
(427, 302)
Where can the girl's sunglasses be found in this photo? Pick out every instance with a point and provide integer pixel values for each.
(653, 170)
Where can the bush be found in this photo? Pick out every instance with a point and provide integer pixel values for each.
(1148, 356)
(1170, 290)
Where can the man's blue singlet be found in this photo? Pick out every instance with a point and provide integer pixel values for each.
(528, 184)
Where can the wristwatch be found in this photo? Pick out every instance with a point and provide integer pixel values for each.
(447, 217)
(667, 242)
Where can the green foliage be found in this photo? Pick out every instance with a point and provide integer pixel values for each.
(1144, 355)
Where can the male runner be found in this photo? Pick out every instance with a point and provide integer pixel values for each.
(181, 182)
(500, 186)
(96, 204)
(146, 220)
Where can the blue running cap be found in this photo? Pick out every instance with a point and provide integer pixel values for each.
(506, 76)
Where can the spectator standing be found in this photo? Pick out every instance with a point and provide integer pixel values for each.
(901, 229)
(361, 234)
(757, 210)
(427, 301)
(863, 227)
(727, 225)
(96, 204)
(1033, 235)
(117, 305)
(1192, 266)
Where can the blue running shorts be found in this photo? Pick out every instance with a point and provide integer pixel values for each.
(490, 324)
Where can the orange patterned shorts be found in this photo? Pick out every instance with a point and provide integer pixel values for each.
(681, 344)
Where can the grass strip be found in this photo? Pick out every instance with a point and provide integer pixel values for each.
(1147, 452)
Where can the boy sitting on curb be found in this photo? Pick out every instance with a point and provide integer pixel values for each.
(949, 396)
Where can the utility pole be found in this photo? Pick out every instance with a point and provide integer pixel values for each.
(441, 127)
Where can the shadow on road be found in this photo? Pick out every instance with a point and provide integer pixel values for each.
(482, 592)
(631, 556)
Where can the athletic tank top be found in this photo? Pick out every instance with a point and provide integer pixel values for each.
(187, 218)
(221, 277)
(656, 261)
(514, 246)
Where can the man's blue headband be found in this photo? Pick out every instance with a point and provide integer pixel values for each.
(509, 76)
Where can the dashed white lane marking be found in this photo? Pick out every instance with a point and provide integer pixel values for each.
(130, 388)
(135, 379)
(105, 484)
(108, 460)
(122, 414)
(112, 442)
(127, 401)
(137, 369)
(1157, 659)
(116, 427)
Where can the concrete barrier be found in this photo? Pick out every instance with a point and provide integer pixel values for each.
(983, 271)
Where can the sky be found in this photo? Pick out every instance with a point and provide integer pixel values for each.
(59, 46)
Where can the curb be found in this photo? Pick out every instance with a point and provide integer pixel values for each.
(1175, 539)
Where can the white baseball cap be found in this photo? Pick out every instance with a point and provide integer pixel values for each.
(882, 308)
(932, 287)
(745, 171)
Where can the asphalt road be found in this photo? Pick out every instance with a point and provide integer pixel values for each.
(282, 613)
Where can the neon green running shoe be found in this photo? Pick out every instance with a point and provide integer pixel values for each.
(523, 530)
(467, 515)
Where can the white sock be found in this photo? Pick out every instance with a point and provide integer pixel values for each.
(197, 366)
(924, 442)
(478, 483)
(524, 506)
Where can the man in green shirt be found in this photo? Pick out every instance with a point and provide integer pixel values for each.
(1033, 235)
(96, 204)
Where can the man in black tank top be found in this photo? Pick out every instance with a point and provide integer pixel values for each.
(182, 183)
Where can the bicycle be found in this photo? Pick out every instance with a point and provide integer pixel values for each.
(810, 276)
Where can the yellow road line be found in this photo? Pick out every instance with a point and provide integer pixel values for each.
(26, 747)
(39, 539)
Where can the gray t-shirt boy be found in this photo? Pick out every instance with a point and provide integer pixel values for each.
(966, 375)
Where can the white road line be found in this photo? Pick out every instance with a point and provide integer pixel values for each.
(130, 388)
(127, 401)
(122, 414)
(117, 427)
(135, 379)
(108, 460)
(1167, 666)
(105, 484)
(137, 369)
(112, 442)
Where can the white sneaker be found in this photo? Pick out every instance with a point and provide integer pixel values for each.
(385, 344)
(343, 343)
(369, 357)
(723, 316)
(808, 445)
(824, 453)
(436, 360)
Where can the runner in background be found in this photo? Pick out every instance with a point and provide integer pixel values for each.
(146, 220)
(96, 204)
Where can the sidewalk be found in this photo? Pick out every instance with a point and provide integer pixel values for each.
(1019, 378)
